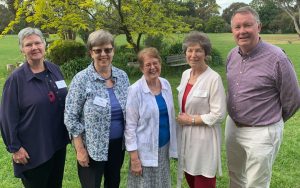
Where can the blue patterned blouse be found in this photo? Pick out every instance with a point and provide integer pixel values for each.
(88, 109)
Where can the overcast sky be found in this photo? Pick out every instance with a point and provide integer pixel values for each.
(226, 3)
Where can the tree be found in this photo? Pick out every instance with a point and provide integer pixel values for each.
(282, 23)
(268, 12)
(216, 24)
(291, 8)
(6, 16)
(65, 16)
(190, 15)
(138, 18)
(228, 12)
(205, 9)
(130, 17)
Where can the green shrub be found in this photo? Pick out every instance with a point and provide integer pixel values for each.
(154, 41)
(73, 66)
(175, 48)
(61, 51)
(122, 56)
(215, 58)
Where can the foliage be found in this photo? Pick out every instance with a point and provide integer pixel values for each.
(137, 18)
(195, 13)
(215, 57)
(5, 16)
(123, 55)
(290, 7)
(268, 12)
(195, 23)
(282, 23)
(175, 48)
(216, 24)
(154, 41)
(228, 12)
(61, 51)
(73, 66)
(206, 8)
(66, 17)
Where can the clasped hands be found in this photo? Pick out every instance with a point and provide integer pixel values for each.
(184, 119)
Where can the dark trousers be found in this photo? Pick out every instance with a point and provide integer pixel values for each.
(47, 175)
(90, 177)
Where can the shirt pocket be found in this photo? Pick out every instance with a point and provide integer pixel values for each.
(201, 94)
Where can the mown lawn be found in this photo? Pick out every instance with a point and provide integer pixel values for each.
(286, 171)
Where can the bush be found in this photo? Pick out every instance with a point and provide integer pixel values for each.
(72, 67)
(61, 51)
(215, 57)
(175, 48)
(123, 55)
(154, 41)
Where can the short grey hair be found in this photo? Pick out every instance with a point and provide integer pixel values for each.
(245, 10)
(27, 32)
(196, 37)
(99, 38)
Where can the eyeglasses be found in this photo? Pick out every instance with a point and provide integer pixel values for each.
(99, 51)
(149, 65)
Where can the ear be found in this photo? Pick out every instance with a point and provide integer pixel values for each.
(259, 27)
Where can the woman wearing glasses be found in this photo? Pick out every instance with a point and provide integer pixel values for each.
(150, 133)
(95, 114)
(32, 112)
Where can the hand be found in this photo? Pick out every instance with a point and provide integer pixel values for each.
(83, 157)
(21, 156)
(136, 167)
(184, 119)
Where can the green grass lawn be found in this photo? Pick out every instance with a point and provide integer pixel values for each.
(286, 171)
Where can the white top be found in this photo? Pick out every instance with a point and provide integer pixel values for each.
(142, 121)
(200, 145)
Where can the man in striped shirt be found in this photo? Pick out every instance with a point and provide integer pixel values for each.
(263, 93)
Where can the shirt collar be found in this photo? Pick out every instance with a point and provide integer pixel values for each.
(95, 76)
(146, 88)
(254, 51)
(29, 75)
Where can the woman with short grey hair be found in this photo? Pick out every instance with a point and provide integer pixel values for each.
(201, 99)
(32, 111)
(27, 32)
(95, 114)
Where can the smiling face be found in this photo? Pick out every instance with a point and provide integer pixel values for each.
(151, 68)
(245, 30)
(102, 55)
(33, 48)
(195, 55)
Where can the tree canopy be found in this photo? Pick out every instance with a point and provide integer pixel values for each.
(290, 7)
(136, 19)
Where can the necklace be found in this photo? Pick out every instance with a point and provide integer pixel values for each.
(108, 78)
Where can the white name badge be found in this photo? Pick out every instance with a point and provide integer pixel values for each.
(100, 101)
(61, 84)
